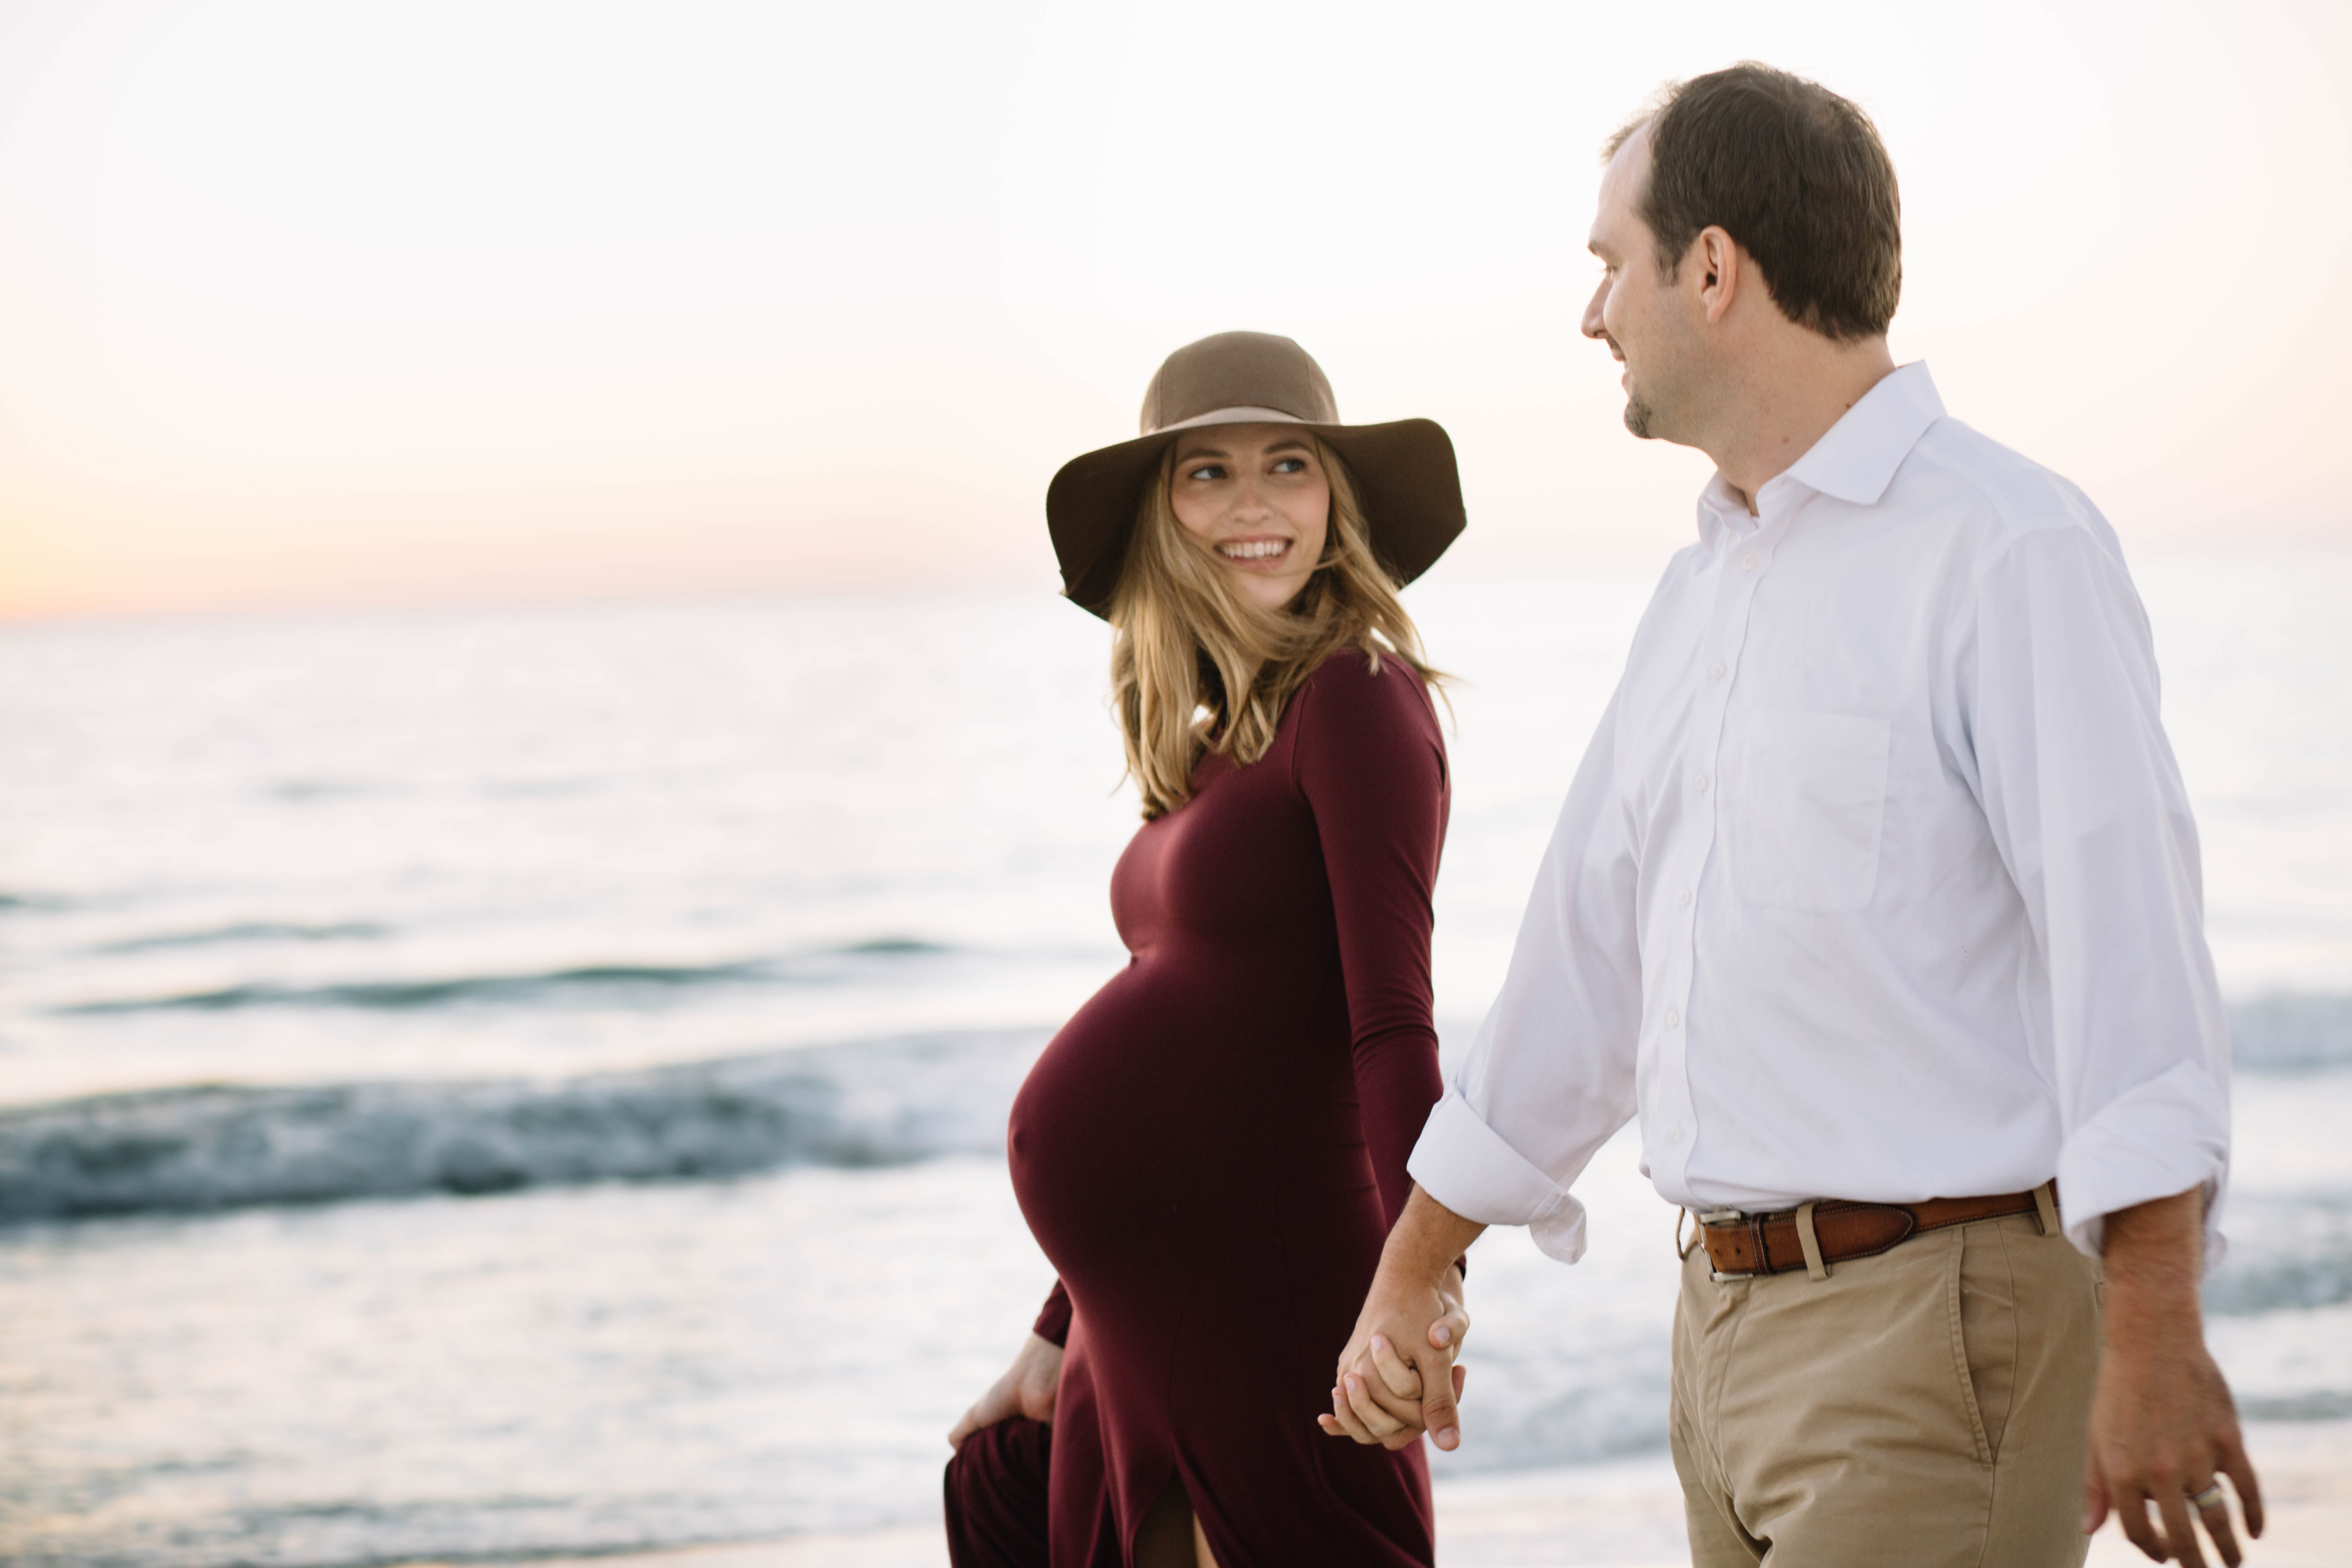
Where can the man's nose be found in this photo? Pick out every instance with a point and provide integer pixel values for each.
(1592, 327)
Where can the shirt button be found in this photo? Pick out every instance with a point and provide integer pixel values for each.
(1747, 561)
(1715, 674)
(1699, 784)
(1684, 898)
(1677, 1135)
(1673, 1019)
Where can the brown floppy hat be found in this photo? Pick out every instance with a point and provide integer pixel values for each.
(1404, 471)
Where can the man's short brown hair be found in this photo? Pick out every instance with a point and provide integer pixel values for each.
(1796, 175)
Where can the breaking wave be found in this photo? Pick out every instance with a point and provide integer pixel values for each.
(211, 1147)
(2319, 1404)
(215, 1147)
(2287, 1251)
(2280, 1284)
(2292, 1033)
(824, 966)
(250, 930)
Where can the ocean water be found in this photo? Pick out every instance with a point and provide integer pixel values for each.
(533, 1081)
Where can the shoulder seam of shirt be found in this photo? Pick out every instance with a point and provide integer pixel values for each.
(2061, 515)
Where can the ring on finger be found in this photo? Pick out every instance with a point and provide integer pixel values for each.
(2210, 1498)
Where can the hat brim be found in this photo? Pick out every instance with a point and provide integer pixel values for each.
(1405, 477)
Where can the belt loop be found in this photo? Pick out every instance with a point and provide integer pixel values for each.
(1815, 1266)
(1682, 1248)
(2046, 1207)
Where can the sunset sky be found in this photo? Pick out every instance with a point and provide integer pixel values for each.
(311, 303)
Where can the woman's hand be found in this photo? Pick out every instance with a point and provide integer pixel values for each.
(1381, 1397)
(1027, 1388)
(1414, 1311)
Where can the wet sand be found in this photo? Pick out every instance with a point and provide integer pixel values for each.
(1625, 1515)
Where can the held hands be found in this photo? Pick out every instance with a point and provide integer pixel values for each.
(1397, 1377)
(1027, 1388)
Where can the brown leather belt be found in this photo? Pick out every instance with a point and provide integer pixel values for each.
(1740, 1246)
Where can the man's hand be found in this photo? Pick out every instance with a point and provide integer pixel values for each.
(1379, 1397)
(1027, 1388)
(2163, 1428)
(1396, 1377)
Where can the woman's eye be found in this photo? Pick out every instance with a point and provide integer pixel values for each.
(1291, 465)
(1207, 471)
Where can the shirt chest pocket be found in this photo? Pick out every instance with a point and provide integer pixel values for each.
(1806, 816)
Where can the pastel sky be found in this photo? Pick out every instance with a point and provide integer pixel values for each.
(317, 303)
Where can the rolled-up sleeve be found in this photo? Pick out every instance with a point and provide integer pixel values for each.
(1550, 1075)
(2086, 802)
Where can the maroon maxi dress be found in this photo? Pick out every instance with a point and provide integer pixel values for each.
(1213, 1150)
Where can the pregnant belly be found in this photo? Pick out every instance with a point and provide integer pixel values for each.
(1126, 1128)
(1162, 1120)
(1102, 1132)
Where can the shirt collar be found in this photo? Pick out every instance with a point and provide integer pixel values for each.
(1853, 461)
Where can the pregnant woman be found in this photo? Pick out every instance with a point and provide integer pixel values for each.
(1212, 1150)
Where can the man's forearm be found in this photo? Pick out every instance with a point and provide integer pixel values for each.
(1427, 1239)
(2163, 1428)
(2155, 1253)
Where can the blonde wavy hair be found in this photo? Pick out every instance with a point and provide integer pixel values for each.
(1187, 643)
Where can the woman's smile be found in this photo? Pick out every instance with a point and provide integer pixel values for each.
(1259, 553)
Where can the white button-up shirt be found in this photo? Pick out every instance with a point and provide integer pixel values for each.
(1878, 880)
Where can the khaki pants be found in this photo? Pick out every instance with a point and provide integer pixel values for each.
(1926, 1407)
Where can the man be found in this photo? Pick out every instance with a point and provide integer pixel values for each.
(1877, 899)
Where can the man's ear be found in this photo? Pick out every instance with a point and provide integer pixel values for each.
(1715, 262)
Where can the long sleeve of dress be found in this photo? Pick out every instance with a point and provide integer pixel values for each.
(1053, 1324)
(1370, 762)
